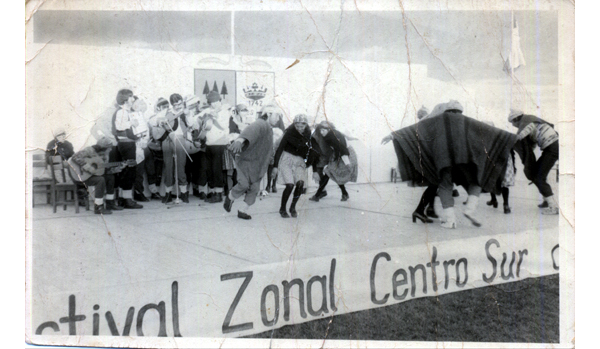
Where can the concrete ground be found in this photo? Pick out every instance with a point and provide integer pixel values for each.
(133, 247)
(137, 245)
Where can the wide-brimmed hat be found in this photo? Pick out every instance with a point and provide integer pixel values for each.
(514, 113)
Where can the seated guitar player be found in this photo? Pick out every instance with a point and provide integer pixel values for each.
(103, 184)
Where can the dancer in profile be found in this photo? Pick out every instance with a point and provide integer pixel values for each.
(534, 131)
(253, 149)
(295, 153)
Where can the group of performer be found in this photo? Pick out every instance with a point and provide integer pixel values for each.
(446, 148)
(222, 153)
(217, 152)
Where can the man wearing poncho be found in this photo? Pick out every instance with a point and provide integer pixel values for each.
(453, 148)
(253, 149)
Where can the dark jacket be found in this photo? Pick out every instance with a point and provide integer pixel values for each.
(299, 145)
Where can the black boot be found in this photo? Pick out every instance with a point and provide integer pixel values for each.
(202, 196)
(227, 204)
(196, 193)
(112, 205)
(167, 198)
(137, 196)
(155, 196)
(185, 197)
(430, 212)
(130, 204)
(209, 197)
(99, 209)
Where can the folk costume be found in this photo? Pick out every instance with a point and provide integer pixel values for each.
(124, 132)
(453, 148)
(101, 184)
(251, 163)
(295, 153)
(534, 131)
(216, 121)
(334, 151)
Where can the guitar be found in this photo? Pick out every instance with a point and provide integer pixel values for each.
(100, 167)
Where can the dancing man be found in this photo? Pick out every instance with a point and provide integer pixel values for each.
(535, 131)
(253, 149)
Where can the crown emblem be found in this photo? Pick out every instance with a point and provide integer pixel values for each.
(255, 93)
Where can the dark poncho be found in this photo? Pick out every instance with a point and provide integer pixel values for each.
(449, 139)
(298, 144)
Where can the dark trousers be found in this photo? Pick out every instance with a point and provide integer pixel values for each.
(99, 184)
(146, 166)
(427, 199)
(543, 166)
(214, 157)
(127, 152)
(193, 169)
(114, 156)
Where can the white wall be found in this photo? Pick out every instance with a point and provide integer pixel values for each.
(70, 86)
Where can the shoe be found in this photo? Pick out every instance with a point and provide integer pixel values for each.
(209, 197)
(196, 193)
(99, 209)
(216, 198)
(293, 212)
(130, 204)
(243, 215)
(470, 211)
(274, 189)
(345, 197)
(284, 214)
(112, 205)
(323, 194)
(202, 196)
(268, 189)
(121, 202)
(167, 198)
(543, 204)
(430, 212)
(227, 204)
(492, 203)
(455, 193)
(550, 211)
(155, 196)
(449, 220)
(506, 209)
(140, 197)
(314, 198)
(416, 215)
(185, 197)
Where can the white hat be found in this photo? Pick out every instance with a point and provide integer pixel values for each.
(454, 105)
(514, 113)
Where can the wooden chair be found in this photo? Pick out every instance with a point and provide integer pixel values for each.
(42, 180)
(62, 185)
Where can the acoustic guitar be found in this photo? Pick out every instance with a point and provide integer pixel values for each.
(100, 167)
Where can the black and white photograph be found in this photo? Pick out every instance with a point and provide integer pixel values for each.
(300, 174)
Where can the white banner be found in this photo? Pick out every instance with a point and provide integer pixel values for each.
(255, 299)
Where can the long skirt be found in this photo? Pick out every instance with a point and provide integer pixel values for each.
(342, 173)
(291, 169)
